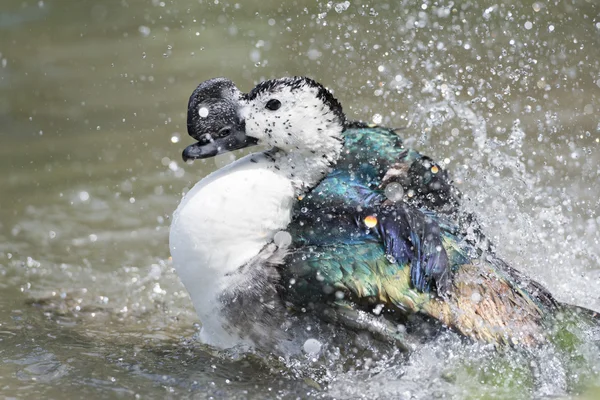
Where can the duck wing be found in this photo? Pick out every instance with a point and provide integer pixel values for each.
(402, 257)
(353, 198)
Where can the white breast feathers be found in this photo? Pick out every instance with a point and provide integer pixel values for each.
(224, 221)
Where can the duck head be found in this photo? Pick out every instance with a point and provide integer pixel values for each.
(292, 115)
(213, 120)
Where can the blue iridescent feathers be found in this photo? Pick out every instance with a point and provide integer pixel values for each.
(350, 206)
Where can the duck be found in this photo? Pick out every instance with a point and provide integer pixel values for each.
(337, 223)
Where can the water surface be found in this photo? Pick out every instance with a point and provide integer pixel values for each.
(92, 115)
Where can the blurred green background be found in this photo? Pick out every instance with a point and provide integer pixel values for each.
(93, 98)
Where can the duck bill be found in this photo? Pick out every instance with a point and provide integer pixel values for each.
(232, 139)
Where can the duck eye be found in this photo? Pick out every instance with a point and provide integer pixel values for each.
(273, 104)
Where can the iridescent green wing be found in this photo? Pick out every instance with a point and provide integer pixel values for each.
(341, 207)
(339, 251)
(483, 304)
(345, 212)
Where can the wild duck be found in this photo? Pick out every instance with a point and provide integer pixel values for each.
(336, 222)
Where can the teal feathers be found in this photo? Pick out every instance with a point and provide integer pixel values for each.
(404, 258)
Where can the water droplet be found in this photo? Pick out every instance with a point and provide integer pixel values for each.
(144, 30)
(312, 346)
(282, 239)
(394, 192)
(313, 54)
(341, 7)
(84, 196)
(377, 118)
(203, 112)
(476, 297)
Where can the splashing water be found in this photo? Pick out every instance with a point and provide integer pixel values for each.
(505, 95)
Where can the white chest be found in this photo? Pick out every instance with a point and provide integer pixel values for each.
(224, 221)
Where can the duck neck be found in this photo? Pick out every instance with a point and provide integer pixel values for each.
(305, 169)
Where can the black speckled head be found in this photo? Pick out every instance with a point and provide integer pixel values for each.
(296, 83)
(214, 121)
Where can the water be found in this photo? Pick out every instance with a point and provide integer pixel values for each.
(92, 110)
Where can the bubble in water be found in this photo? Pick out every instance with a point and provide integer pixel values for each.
(312, 346)
(203, 112)
(394, 192)
(282, 239)
(528, 25)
